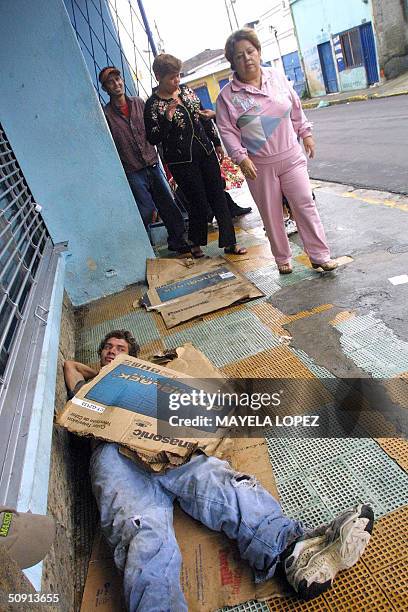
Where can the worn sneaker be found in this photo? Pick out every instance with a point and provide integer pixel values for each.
(290, 227)
(312, 562)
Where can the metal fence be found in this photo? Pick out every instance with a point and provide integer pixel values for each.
(112, 32)
(23, 241)
(28, 266)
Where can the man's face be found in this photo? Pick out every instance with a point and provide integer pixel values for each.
(114, 85)
(113, 347)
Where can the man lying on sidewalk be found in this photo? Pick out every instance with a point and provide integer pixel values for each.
(136, 509)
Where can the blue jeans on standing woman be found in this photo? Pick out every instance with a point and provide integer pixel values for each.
(151, 191)
(136, 509)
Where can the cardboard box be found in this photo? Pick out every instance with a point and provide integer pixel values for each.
(181, 289)
(121, 405)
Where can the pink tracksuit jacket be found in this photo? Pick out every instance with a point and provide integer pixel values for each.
(261, 124)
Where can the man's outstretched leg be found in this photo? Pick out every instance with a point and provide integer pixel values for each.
(236, 504)
(225, 500)
(137, 520)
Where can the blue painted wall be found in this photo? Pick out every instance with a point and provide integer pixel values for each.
(316, 21)
(56, 126)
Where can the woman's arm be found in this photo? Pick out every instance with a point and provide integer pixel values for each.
(230, 133)
(300, 122)
(157, 126)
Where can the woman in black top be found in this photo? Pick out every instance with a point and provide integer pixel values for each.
(174, 119)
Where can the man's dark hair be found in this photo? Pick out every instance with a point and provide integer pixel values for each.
(102, 72)
(121, 334)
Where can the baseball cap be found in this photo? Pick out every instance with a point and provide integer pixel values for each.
(106, 72)
(26, 537)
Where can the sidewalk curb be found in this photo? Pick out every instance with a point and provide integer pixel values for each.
(359, 98)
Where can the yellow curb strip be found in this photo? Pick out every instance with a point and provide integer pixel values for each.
(389, 203)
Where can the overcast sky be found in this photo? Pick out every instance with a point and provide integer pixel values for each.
(188, 27)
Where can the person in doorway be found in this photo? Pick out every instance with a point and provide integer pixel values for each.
(139, 158)
(172, 119)
(259, 117)
(136, 510)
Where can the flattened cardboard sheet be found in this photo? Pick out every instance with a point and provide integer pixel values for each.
(182, 289)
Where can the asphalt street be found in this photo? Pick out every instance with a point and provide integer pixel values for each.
(364, 144)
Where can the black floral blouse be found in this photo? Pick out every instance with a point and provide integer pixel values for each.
(176, 136)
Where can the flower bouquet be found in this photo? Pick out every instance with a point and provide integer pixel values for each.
(231, 173)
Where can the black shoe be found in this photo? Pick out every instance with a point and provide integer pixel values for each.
(181, 248)
(238, 211)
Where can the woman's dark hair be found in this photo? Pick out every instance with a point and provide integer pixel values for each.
(121, 334)
(244, 34)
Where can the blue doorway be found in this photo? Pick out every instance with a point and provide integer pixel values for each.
(328, 68)
(202, 93)
(223, 82)
(369, 54)
(294, 72)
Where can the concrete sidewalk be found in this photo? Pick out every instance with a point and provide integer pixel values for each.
(318, 332)
(393, 87)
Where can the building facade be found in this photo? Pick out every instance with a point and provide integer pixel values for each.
(276, 33)
(338, 44)
(208, 78)
(275, 30)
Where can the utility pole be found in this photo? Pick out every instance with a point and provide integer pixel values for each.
(275, 33)
(159, 38)
(229, 18)
(235, 15)
(147, 28)
(302, 62)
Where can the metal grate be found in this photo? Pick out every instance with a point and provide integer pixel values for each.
(23, 241)
(112, 32)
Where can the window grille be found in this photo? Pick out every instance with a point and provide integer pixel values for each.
(111, 32)
(351, 47)
(23, 241)
(28, 266)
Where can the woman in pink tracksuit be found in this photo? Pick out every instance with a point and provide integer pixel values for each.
(260, 117)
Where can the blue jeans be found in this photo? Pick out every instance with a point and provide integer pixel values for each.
(151, 190)
(136, 510)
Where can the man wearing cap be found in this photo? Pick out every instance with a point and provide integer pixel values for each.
(139, 158)
(26, 537)
(136, 509)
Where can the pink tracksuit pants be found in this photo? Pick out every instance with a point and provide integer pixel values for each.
(289, 176)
